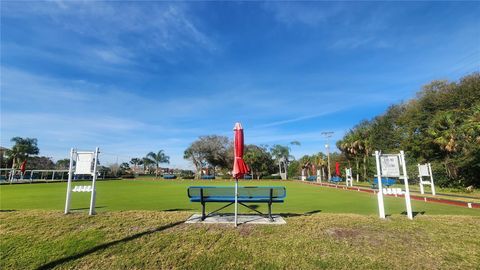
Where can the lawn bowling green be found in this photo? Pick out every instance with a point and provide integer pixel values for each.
(168, 195)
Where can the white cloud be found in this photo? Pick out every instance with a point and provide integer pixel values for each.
(109, 28)
(309, 13)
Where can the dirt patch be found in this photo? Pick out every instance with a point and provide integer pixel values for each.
(245, 229)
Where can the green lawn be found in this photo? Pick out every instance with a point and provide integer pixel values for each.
(36, 239)
(167, 195)
(140, 225)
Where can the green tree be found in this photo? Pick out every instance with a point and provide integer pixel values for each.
(157, 159)
(135, 162)
(21, 150)
(259, 160)
(212, 150)
(62, 164)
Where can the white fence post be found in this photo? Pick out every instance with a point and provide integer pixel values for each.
(408, 203)
(381, 206)
(69, 183)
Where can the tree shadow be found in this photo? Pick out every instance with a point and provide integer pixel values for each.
(60, 261)
(306, 214)
(86, 208)
(177, 209)
(414, 214)
(309, 213)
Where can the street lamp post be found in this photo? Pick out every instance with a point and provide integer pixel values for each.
(327, 135)
(328, 162)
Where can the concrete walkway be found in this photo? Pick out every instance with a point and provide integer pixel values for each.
(242, 219)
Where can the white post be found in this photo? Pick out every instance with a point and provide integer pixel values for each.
(92, 198)
(236, 200)
(431, 179)
(381, 206)
(69, 183)
(407, 189)
(420, 178)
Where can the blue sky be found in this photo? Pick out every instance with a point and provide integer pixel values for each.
(134, 77)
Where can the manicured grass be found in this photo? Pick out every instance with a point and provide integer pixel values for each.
(140, 224)
(160, 240)
(171, 195)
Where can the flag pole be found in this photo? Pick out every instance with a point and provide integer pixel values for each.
(236, 200)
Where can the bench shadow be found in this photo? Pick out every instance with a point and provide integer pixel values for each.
(7, 210)
(60, 261)
(414, 214)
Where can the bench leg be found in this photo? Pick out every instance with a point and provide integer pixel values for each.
(270, 212)
(203, 211)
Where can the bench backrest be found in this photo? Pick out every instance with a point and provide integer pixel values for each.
(229, 191)
(385, 181)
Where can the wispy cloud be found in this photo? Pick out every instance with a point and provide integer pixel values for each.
(120, 32)
(309, 13)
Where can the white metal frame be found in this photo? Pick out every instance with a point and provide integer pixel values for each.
(74, 154)
(425, 170)
(399, 159)
(348, 177)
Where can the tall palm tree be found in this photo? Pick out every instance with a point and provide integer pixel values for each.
(157, 159)
(21, 149)
(135, 162)
(146, 162)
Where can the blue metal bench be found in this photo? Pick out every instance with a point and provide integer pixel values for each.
(224, 194)
(169, 176)
(312, 178)
(208, 177)
(336, 179)
(385, 182)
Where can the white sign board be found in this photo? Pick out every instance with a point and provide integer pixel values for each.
(423, 170)
(390, 166)
(84, 163)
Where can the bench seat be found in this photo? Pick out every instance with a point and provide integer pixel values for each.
(227, 199)
(246, 194)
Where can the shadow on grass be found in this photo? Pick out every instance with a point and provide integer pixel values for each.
(177, 209)
(306, 214)
(60, 261)
(7, 210)
(86, 208)
(414, 214)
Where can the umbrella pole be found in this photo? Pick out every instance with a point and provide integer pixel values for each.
(236, 200)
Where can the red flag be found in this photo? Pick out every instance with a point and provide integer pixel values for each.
(239, 166)
(23, 166)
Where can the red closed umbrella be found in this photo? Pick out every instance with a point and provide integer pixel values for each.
(23, 166)
(337, 169)
(239, 166)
